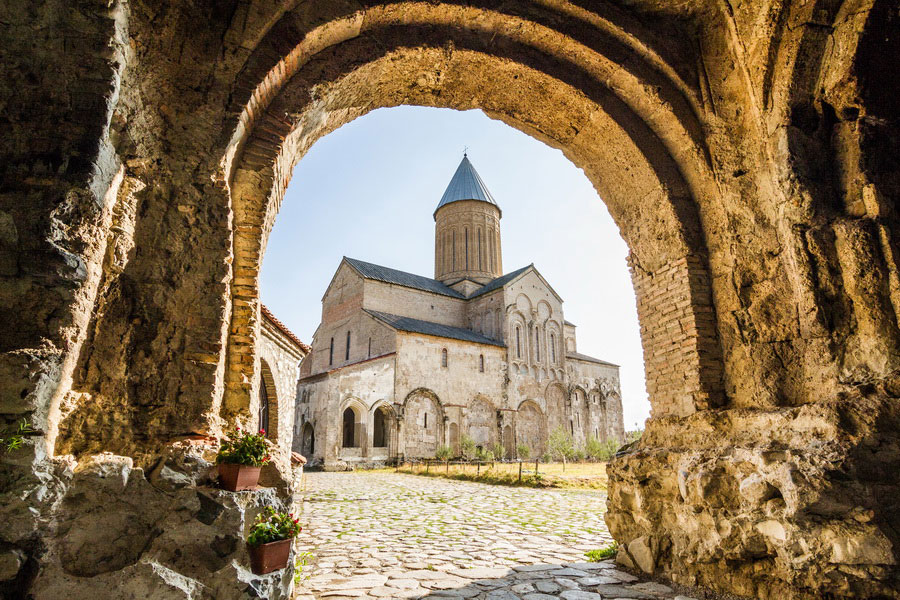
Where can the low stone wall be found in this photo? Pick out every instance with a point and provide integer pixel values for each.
(102, 528)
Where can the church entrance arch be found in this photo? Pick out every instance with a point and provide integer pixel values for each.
(349, 434)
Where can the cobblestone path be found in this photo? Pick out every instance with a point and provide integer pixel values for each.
(385, 535)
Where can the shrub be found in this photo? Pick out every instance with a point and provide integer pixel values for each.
(604, 553)
(467, 447)
(444, 453)
(482, 454)
(561, 444)
(499, 451)
(598, 450)
(272, 526)
(249, 449)
(578, 454)
(523, 451)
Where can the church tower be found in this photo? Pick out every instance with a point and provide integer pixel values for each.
(467, 232)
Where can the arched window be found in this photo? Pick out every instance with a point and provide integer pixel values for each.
(553, 348)
(537, 344)
(444, 357)
(518, 342)
(370, 349)
(481, 363)
(347, 352)
(331, 353)
(263, 405)
(426, 420)
(349, 436)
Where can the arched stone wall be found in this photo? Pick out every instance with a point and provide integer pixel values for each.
(746, 149)
(423, 424)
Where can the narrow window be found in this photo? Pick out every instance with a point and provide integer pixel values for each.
(444, 357)
(453, 253)
(572, 427)
(518, 343)
(481, 363)
(480, 253)
(370, 348)
(467, 248)
(537, 345)
(553, 348)
(347, 351)
(331, 353)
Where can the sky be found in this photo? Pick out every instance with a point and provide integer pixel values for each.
(368, 191)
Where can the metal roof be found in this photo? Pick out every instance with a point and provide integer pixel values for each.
(466, 185)
(428, 328)
(496, 284)
(586, 358)
(410, 280)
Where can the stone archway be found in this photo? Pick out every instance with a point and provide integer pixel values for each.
(531, 426)
(746, 154)
(308, 440)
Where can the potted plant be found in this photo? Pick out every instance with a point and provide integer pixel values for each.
(240, 459)
(269, 542)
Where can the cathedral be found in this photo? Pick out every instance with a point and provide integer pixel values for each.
(403, 364)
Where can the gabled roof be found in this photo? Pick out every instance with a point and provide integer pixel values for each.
(466, 184)
(410, 280)
(428, 328)
(267, 314)
(499, 282)
(586, 358)
(503, 280)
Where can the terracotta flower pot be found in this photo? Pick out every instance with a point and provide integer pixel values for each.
(235, 478)
(266, 558)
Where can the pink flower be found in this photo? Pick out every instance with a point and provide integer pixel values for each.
(262, 431)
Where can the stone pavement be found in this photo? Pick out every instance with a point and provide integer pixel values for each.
(385, 535)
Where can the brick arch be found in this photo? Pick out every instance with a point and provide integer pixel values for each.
(663, 230)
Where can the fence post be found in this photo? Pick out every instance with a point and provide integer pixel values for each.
(478, 469)
(427, 464)
(536, 462)
(448, 467)
(520, 471)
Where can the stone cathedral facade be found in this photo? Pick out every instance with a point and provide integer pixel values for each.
(403, 364)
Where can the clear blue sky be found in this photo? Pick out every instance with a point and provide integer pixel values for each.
(368, 191)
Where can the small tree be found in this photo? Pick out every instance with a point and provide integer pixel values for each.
(561, 444)
(467, 447)
(444, 453)
(523, 451)
(499, 451)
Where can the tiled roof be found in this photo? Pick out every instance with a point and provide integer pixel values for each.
(569, 323)
(466, 184)
(410, 280)
(499, 282)
(586, 358)
(429, 328)
(283, 328)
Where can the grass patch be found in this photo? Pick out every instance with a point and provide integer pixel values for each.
(549, 475)
(603, 553)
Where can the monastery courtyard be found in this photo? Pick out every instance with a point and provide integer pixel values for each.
(387, 535)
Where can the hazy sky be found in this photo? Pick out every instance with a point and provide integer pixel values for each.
(369, 189)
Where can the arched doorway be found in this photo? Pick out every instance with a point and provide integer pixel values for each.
(530, 428)
(307, 440)
(349, 434)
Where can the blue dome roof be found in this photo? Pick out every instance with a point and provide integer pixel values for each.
(466, 185)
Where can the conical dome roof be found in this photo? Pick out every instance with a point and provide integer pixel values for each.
(466, 185)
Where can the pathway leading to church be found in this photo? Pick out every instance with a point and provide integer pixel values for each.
(386, 535)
